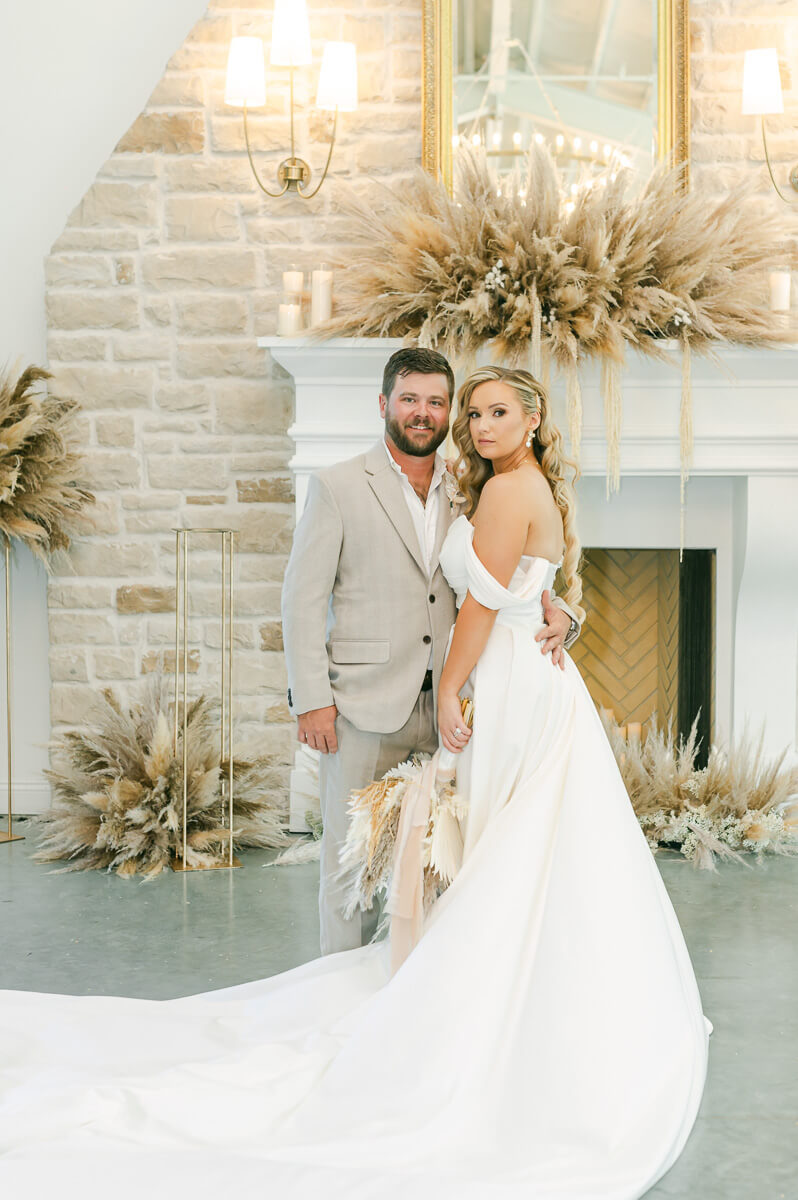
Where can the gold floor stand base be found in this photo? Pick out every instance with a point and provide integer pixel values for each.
(12, 837)
(177, 864)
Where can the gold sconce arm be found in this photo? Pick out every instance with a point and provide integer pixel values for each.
(793, 173)
(292, 172)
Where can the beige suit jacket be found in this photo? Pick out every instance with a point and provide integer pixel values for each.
(359, 610)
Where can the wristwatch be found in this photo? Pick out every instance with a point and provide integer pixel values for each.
(573, 629)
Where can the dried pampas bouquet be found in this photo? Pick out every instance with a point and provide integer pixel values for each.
(546, 276)
(39, 465)
(119, 790)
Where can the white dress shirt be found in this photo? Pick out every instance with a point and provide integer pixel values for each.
(424, 516)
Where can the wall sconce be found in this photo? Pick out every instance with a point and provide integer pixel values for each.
(246, 85)
(762, 96)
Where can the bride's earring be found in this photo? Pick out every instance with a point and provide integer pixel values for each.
(529, 438)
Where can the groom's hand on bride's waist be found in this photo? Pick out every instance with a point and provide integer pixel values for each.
(553, 636)
(316, 729)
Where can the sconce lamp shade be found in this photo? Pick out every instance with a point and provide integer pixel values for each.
(290, 34)
(246, 75)
(338, 77)
(761, 83)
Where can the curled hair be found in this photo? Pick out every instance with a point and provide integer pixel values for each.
(473, 470)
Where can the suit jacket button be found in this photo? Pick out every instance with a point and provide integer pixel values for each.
(426, 639)
(432, 599)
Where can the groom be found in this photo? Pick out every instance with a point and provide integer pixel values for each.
(367, 611)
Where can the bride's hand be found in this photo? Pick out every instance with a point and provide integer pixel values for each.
(450, 721)
(552, 637)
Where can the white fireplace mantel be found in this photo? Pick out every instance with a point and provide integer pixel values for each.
(742, 501)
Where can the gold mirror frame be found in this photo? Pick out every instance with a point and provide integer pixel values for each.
(673, 86)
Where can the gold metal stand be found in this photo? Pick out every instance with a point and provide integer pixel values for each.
(9, 836)
(181, 644)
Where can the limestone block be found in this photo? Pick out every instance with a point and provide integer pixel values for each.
(124, 271)
(212, 315)
(719, 114)
(113, 559)
(279, 713)
(386, 154)
(129, 166)
(199, 56)
(261, 408)
(267, 530)
(109, 203)
(115, 664)
(80, 629)
(69, 347)
(257, 600)
(95, 239)
(271, 635)
(152, 522)
(149, 500)
(267, 135)
(243, 635)
(175, 91)
(168, 133)
(209, 175)
(68, 665)
(139, 598)
(406, 30)
(206, 500)
(202, 219)
(262, 460)
(100, 517)
(252, 674)
(92, 310)
(71, 703)
(735, 37)
(183, 471)
(79, 595)
(158, 311)
(216, 30)
(183, 397)
(214, 268)
(142, 347)
(262, 491)
(164, 661)
(115, 430)
(77, 270)
(267, 567)
(372, 82)
(106, 470)
(405, 91)
(239, 357)
(161, 632)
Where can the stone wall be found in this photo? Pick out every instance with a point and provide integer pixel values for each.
(165, 275)
(167, 272)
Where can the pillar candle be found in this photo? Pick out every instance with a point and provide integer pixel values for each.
(321, 295)
(294, 282)
(780, 290)
(289, 319)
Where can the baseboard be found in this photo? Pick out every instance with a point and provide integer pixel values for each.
(28, 797)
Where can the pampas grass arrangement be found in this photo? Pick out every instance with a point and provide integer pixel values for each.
(119, 791)
(544, 276)
(39, 464)
(739, 801)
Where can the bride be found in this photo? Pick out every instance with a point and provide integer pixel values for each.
(544, 1039)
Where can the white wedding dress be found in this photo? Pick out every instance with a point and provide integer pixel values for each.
(543, 1041)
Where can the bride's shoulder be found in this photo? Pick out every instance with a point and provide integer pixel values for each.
(500, 499)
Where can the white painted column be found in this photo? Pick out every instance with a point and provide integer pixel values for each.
(766, 633)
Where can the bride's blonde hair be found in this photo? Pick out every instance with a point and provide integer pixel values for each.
(472, 470)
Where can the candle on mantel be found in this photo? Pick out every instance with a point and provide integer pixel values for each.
(634, 731)
(294, 282)
(289, 318)
(780, 282)
(321, 295)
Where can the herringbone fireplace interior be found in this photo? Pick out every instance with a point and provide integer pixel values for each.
(647, 646)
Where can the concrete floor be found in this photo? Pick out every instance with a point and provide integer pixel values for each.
(95, 933)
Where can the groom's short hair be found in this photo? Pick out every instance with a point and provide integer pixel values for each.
(416, 358)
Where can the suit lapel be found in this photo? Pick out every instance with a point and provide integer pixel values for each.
(445, 518)
(387, 487)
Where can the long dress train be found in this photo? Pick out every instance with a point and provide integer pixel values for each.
(544, 1040)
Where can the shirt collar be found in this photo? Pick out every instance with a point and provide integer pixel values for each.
(437, 471)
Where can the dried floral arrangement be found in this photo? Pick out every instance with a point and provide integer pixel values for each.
(739, 801)
(119, 791)
(39, 463)
(544, 276)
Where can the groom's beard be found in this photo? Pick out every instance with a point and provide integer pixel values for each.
(418, 444)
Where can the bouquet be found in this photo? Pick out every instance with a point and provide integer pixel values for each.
(405, 838)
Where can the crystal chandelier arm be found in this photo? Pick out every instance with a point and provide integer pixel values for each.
(274, 195)
(786, 199)
(310, 195)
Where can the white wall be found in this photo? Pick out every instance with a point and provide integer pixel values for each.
(72, 79)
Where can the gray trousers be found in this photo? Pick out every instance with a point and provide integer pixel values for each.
(361, 757)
